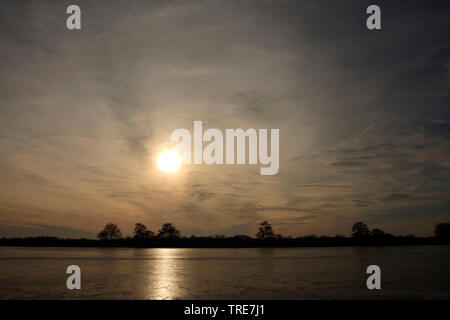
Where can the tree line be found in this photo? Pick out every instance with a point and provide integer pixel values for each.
(360, 231)
(169, 236)
(168, 231)
(112, 232)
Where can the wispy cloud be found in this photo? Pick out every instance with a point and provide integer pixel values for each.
(363, 117)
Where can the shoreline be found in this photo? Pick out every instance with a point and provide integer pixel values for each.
(222, 243)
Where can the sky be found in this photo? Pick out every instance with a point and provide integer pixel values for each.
(364, 116)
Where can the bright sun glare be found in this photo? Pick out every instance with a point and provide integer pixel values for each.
(169, 161)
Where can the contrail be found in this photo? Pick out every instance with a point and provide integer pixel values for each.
(365, 130)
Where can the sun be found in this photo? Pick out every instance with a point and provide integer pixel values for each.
(169, 161)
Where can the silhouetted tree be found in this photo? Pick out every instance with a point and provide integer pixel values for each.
(142, 233)
(360, 230)
(377, 233)
(265, 231)
(442, 230)
(168, 231)
(110, 232)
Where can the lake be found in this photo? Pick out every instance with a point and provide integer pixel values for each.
(407, 272)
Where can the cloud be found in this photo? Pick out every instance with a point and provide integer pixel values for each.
(84, 114)
(349, 164)
(396, 196)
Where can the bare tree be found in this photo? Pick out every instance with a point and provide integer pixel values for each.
(142, 233)
(360, 230)
(442, 230)
(110, 232)
(265, 231)
(168, 231)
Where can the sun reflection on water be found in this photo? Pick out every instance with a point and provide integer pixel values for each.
(164, 276)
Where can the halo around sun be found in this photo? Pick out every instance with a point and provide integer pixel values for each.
(169, 161)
